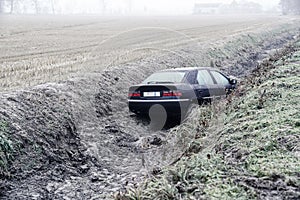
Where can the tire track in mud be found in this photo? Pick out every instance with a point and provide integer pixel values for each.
(110, 148)
(105, 139)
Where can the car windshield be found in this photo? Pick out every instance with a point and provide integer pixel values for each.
(165, 77)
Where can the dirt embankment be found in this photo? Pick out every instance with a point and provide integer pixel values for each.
(76, 139)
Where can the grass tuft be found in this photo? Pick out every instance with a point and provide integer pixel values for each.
(6, 148)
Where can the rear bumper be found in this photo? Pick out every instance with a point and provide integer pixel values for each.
(172, 106)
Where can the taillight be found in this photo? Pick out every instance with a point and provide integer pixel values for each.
(134, 94)
(172, 94)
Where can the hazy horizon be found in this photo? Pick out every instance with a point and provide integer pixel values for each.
(122, 7)
(155, 6)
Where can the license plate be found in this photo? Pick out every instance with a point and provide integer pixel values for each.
(151, 94)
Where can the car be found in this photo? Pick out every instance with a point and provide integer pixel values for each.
(177, 89)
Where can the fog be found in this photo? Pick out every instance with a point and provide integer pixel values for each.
(131, 7)
(160, 7)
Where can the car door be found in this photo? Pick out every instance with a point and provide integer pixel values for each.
(206, 86)
(223, 84)
(192, 80)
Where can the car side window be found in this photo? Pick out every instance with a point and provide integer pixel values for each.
(221, 79)
(204, 78)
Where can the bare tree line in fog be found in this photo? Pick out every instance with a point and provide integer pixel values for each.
(99, 6)
(45, 6)
(22, 6)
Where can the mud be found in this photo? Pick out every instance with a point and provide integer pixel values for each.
(76, 139)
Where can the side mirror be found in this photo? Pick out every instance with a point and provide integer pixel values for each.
(232, 80)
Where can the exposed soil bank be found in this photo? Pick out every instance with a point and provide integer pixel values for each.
(76, 139)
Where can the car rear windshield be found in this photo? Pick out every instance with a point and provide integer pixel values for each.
(165, 77)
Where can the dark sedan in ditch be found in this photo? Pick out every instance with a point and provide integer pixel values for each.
(176, 89)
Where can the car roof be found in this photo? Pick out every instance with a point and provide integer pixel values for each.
(190, 69)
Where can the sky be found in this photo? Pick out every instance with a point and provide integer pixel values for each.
(148, 6)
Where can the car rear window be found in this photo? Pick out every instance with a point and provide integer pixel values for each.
(165, 77)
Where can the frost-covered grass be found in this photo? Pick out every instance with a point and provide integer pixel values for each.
(6, 148)
(252, 152)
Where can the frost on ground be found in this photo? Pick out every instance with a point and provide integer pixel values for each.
(76, 139)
